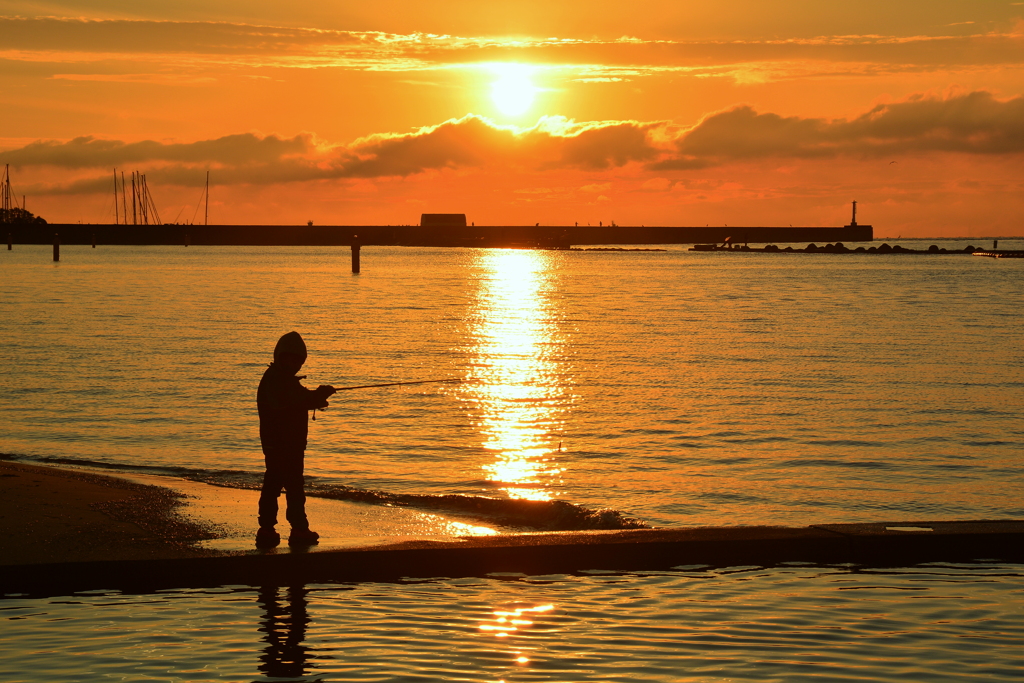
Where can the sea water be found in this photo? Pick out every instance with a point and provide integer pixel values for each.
(671, 388)
(933, 623)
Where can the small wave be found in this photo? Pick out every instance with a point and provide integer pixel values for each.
(542, 515)
(82, 462)
(533, 515)
(824, 462)
(759, 439)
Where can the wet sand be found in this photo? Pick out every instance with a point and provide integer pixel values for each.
(56, 514)
(231, 514)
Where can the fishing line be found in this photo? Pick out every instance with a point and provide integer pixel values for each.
(394, 384)
(397, 384)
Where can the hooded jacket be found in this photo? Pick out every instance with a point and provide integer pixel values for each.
(283, 402)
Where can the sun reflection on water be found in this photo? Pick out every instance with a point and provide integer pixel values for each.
(452, 528)
(507, 621)
(520, 393)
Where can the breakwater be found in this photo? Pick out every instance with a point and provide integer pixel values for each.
(840, 248)
(1000, 254)
(534, 236)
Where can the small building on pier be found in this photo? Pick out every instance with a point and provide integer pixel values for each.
(443, 220)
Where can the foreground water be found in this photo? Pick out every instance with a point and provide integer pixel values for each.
(928, 623)
(674, 387)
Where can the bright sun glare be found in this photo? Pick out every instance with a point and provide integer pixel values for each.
(513, 92)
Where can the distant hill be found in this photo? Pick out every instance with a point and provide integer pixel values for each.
(18, 216)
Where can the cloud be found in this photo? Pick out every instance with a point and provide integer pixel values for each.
(141, 36)
(973, 123)
(976, 123)
(474, 142)
(657, 185)
(128, 43)
(89, 152)
(471, 142)
(149, 79)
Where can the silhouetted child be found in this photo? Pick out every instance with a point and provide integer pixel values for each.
(284, 406)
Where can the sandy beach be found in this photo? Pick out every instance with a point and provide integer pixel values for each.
(55, 514)
(51, 515)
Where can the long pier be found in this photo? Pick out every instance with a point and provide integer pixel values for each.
(531, 236)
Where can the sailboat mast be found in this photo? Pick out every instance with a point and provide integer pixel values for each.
(124, 200)
(206, 221)
(152, 207)
(5, 191)
(144, 199)
(135, 215)
(116, 218)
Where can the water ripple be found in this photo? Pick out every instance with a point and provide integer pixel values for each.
(800, 622)
(637, 383)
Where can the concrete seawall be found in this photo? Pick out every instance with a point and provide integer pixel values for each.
(869, 544)
(549, 236)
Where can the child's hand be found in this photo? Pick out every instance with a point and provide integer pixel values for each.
(326, 389)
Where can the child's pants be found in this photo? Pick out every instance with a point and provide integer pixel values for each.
(284, 471)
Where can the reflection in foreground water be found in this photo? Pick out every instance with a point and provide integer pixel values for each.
(792, 623)
(284, 631)
(512, 618)
(520, 397)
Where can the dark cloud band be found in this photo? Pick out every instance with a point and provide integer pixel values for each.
(967, 123)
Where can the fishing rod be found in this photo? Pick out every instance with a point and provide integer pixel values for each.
(397, 384)
(390, 384)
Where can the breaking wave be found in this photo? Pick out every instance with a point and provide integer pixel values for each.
(542, 515)
(513, 514)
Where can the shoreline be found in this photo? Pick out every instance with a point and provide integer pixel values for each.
(70, 530)
(117, 515)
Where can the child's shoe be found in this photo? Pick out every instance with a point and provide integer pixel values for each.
(266, 537)
(303, 537)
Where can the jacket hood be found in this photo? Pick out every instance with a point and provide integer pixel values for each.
(290, 343)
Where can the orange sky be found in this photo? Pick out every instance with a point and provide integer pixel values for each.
(673, 113)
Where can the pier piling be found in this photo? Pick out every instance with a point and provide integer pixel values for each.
(56, 247)
(94, 240)
(355, 258)
(10, 242)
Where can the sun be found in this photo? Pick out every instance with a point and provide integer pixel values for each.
(513, 92)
